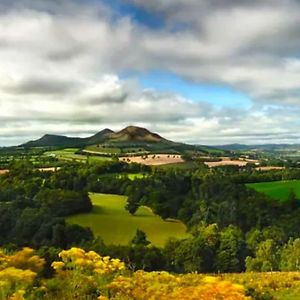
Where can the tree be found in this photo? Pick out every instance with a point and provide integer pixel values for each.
(266, 257)
(290, 256)
(132, 205)
(140, 238)
(231, 253)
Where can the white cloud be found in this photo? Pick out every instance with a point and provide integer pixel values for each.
(59, 67)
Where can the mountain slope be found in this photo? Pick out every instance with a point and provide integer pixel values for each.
(50, 140)
(131, 136)
(99, 137)
(135, 134)
(128, 134)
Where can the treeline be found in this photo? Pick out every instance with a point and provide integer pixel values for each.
(33, 204)
(212, 198)
(32, 214)
(232, 227)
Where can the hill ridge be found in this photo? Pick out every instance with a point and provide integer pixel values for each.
(128, 134)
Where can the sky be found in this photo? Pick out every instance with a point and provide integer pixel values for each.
(196, 71)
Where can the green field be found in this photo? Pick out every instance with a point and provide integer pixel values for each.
(115, 150)
(277, 189)
(68, 154)
(133, 176)
(186, 165)
(101, 149)
(115, 225)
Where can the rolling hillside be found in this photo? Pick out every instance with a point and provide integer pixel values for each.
(130, 137)
(50, 140)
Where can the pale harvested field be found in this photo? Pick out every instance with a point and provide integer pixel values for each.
(269, 168)
(52, 169)
(159, 159)
(227, 162)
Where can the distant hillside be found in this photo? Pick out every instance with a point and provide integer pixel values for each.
(131, 136)
(54, 140)
(262, 147)
(49, 140)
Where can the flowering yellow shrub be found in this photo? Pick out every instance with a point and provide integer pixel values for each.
(18, 272)
(88, 275)
(164, 286)
(26, 259)
(76, 258)
(266, 282)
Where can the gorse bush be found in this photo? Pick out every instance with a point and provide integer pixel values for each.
(86, 275)
(18, 273)
(79, 274)
(164, 286)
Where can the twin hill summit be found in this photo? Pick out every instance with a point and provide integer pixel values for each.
(130, 134)
(134, 136)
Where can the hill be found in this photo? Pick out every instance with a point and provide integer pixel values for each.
(132, 138)
(136, 134)
(50, 140)
(261, 147)
(130, 134)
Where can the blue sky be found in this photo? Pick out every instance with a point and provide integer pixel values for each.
(161, 80)
(217, 95)
(138, 14)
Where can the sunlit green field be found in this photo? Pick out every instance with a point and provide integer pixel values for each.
(115, 225)
(100, 149)
(279, 190)
(68, 154)
(133, 176)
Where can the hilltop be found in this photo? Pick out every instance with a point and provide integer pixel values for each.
(128, 134)
(129, 139)
(136, 134)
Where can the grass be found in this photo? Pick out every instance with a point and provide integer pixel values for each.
(278, 190)
(68, 154)
(187, 165)
(133, 176)
(115, 225)
(101, 149)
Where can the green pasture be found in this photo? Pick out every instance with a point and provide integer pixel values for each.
(278, 190)
(133, 176)
(115, 225)
(68, 154)
(101, 149)
(186, 165)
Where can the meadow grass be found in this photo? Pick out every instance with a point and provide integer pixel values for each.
(187, 165)
(68, 154)
(278, 190)
(115, 225)
(100, 149)
(133, 176)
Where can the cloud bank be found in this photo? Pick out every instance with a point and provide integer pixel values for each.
(60, 66)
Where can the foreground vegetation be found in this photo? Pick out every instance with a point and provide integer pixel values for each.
(231, 228)
(115, 225)
(80, 274)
